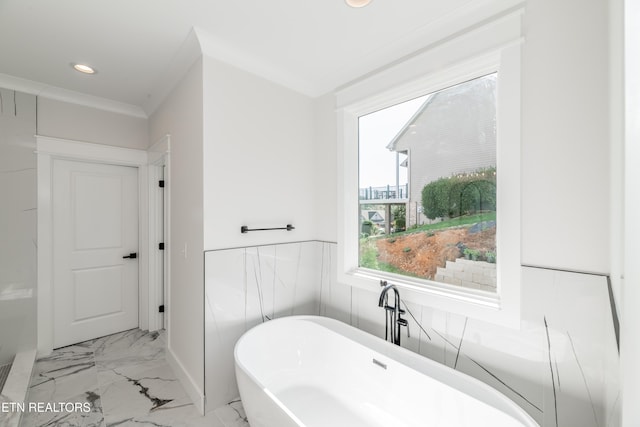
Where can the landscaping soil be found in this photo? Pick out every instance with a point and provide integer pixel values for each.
(422, 253)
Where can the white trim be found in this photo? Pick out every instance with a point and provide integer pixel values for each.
(630, 304)
(190, 386)
(471, 55)
(158, 158)
(476, 44)
(49, 149)
(65, 95)
(433, 30)
(69, 149)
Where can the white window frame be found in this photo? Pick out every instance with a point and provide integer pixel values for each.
(492, 48)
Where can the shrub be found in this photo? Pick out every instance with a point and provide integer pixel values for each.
(366, 228)
(471, 254)
(399, 213)
(460, 194)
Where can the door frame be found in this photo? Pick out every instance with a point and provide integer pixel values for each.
(49, 149)
(158, 157)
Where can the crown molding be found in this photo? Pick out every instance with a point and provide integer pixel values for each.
(72, 97)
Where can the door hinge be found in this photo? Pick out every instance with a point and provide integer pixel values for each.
(161, 183)
(161, 246)
(161, 309)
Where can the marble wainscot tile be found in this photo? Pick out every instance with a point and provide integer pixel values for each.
(260, 284)
(228, 313)
(410, 336)
(336, 300)
(297, 275)
(511, 361)
(431, 331)
(367, 315)
(575, 390)
(245, 287)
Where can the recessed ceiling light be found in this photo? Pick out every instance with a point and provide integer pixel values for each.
(83, 68)
(357, 3)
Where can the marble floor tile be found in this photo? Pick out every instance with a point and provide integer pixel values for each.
(8, 419)
(129, 345)
(136, 396)
(118, 380)
(66, 373)
(89, 414)
(209, 420)
(232, 414)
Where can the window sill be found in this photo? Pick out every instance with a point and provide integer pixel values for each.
(481, 305)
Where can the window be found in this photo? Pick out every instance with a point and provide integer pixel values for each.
(452, 162)
(427, 186)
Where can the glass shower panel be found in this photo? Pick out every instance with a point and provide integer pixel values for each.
(17, 224)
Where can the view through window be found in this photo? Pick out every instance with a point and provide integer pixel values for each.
(427, 186)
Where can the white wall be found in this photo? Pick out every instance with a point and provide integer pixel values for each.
(630, 324)
(325, 167)
(258, 159)
(180, 115)
(616, 117)
(64, 120)
(565, 136)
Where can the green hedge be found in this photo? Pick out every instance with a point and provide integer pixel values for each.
(461, 194)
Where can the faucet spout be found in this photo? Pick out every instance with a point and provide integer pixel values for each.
(393, 319)
(383, 295)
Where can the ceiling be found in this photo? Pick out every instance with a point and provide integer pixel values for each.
(311, 46)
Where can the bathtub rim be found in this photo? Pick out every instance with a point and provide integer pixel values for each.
(477, 389)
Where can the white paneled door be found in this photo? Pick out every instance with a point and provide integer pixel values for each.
(95, 245)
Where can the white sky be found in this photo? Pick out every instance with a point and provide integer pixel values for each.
(376, 130)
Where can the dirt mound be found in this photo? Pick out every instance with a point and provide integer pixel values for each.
(422, 253)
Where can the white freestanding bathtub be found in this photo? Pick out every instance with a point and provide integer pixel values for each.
(315, 371)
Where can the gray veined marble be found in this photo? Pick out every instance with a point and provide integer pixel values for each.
(64, 374)
(559, 365)
(91, 418)
(232, 414)
(118, 380)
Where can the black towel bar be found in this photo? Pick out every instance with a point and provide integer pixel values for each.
(246, 229)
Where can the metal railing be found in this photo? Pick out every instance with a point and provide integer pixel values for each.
(390, 192)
